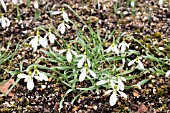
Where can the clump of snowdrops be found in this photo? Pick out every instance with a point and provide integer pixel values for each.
(84, 59)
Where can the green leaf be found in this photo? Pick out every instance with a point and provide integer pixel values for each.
(62, 100)
(143, 82)
(18, 79)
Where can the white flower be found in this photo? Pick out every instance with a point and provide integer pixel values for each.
(68, 54)
(82, 60)
(167, 74)
(115, 88)
(113, 98)
(64, 14)
(51, 36)
(123, 45)
(28, 79)
(161, 2)
(113, 48)
(36, 4)
(137, 60)
(38, 40)
(62, 27)
(84, 73)
(4, 22)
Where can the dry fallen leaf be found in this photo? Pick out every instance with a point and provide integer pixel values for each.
(4, 87)
(142, 108)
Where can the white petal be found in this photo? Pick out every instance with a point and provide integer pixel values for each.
(52, 37)
(108, 92)
(131, 62)
(120, 45)
(116, 49)
(65, 16)
(69, 56)
(3, 4)
(82, 75)
(38, 78)
(62, 51)
(167, 74)
(14, 1)
(122, 94)
(61, 28)
(34, 43)
(109, 49)
(74, 53)
(123, 48)
(3, 22)
(101, 82)
(36, 4)
(127, 45)
(161, 2)
(43, 76)
(92, 73)
(120, 84)
(81, 62)
(113, 99)
(43, 42)
(140, 64)
(30, 84)
(22, 76)
(132, 3)
(123, 79)
(88, 62)
(68, 27)
(56, 12)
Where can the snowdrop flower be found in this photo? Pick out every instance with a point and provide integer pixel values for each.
(51, 36)
(113, 48)
(38, 40)
(29, 78)
(161, 2)
(64, 14)
(123, 45)
(84, 72)
(82, 60)
(167, 74)
(137, 60)
(62, 27)
(113, 98)
(36, 4)
(68, 54)
(4, 22)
